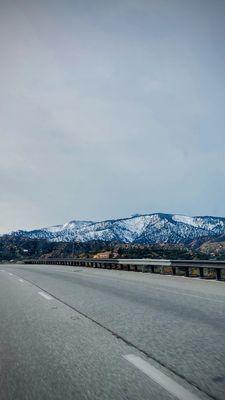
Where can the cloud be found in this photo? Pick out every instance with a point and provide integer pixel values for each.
(110, 108)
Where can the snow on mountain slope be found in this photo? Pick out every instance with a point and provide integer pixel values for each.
(150, 228)
(208, 223)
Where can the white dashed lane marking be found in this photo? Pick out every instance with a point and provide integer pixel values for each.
(161, 379)
(46, 296)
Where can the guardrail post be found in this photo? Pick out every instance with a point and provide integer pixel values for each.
(201, 272)
(218, 274)
(152, 269)
(143, 269)
(187, 271)
(174, 270)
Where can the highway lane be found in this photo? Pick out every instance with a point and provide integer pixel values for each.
(176, 324)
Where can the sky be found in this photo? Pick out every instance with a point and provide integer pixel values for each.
(110, 108)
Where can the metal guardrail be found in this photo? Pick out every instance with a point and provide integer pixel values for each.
(144, 265)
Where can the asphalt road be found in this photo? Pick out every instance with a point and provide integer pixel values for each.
(81, 333)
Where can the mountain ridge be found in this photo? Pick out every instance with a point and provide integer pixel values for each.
(139, 228)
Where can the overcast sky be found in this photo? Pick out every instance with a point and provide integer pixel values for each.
(109, 108)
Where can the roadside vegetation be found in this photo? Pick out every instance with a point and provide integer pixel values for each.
(20, 249)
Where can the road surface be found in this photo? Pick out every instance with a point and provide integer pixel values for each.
(80, 333)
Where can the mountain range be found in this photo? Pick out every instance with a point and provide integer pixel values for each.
(137, 229)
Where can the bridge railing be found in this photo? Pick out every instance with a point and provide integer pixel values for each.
(187, 267)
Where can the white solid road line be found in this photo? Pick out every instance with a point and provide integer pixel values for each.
(162, 379)
(46, 296)
(20, 280)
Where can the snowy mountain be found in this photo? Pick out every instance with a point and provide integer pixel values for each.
(150, 228)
